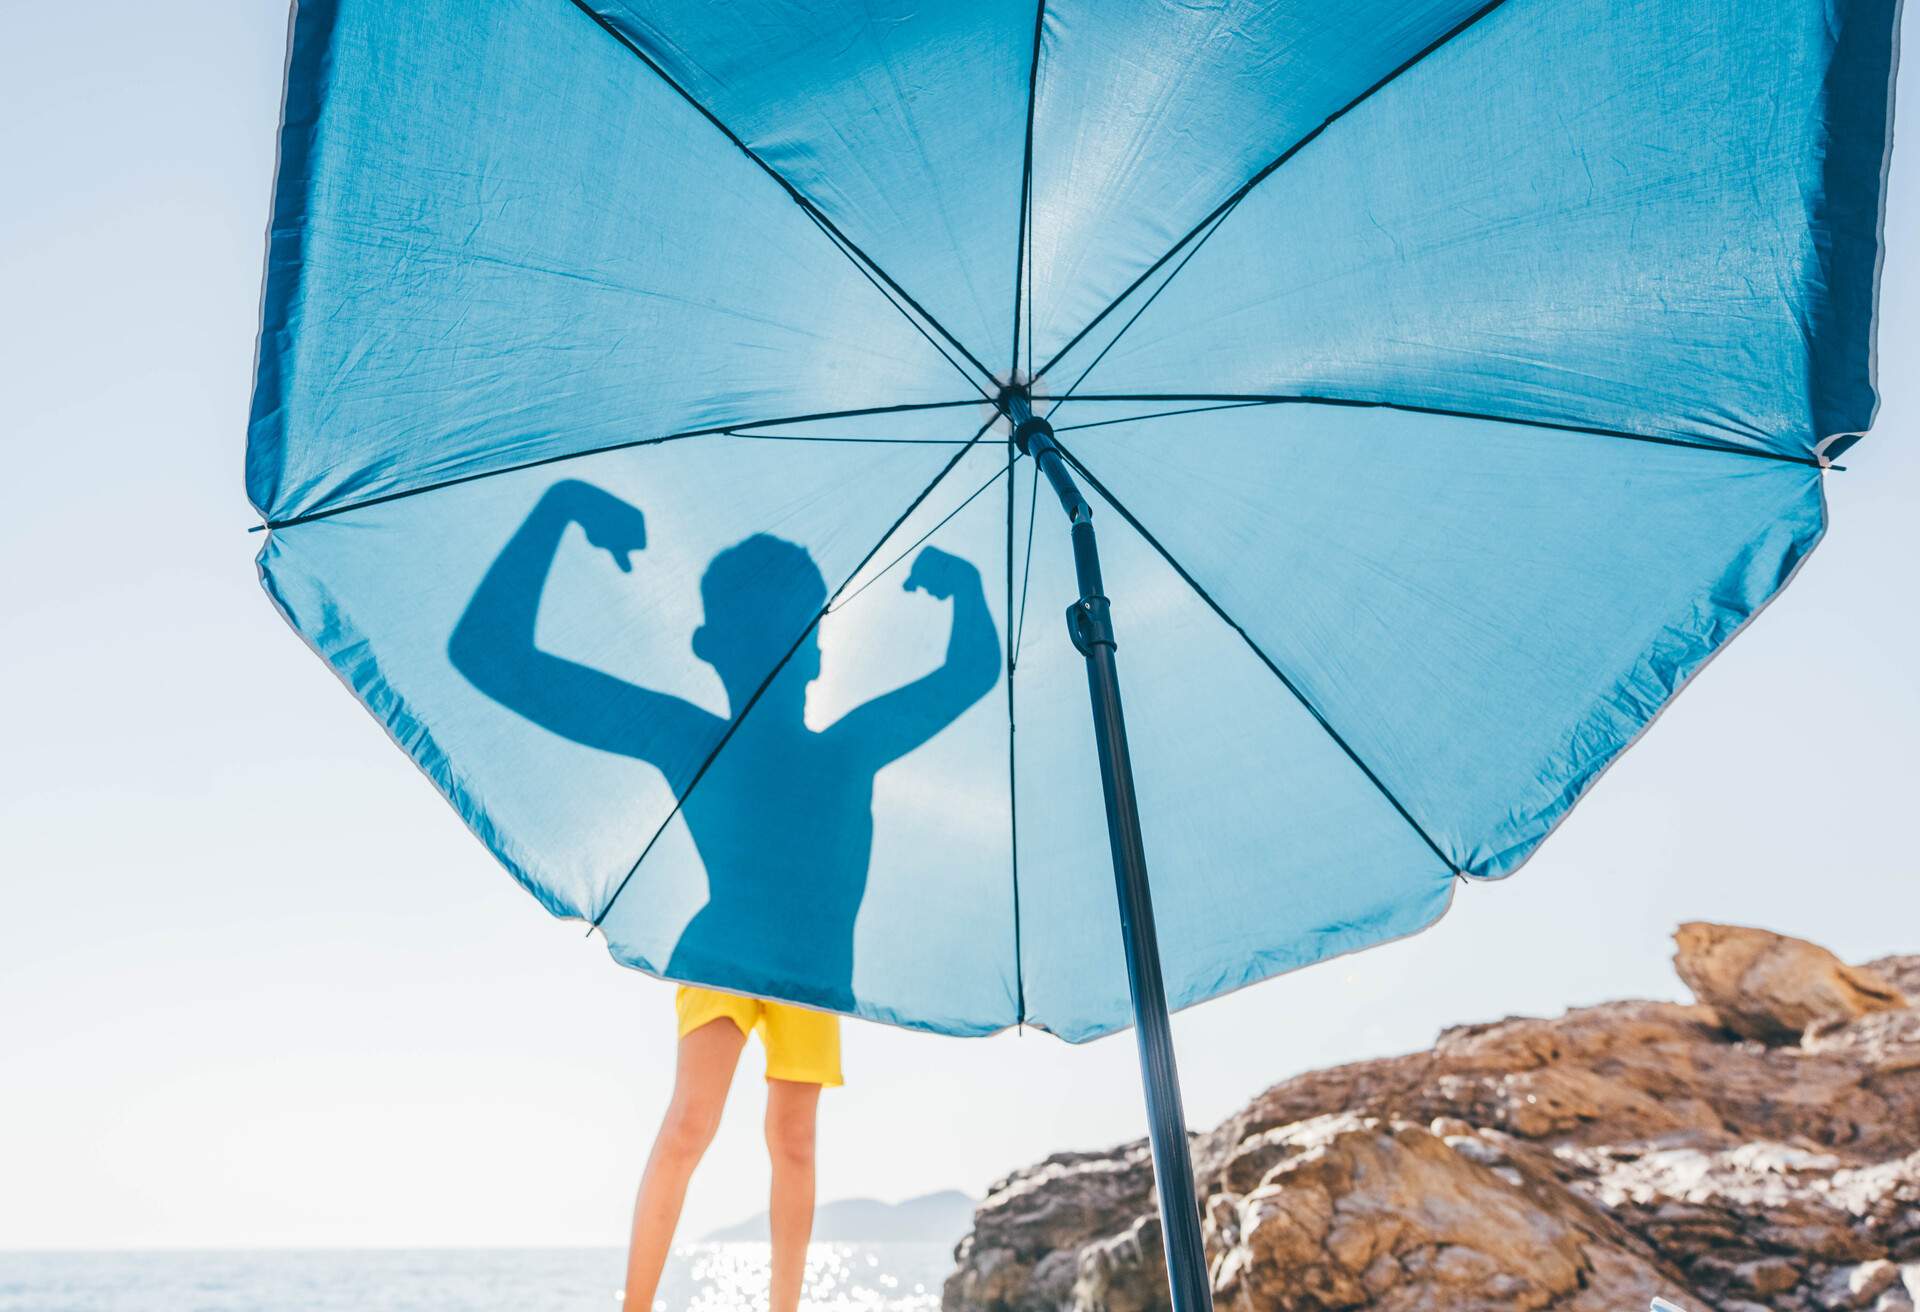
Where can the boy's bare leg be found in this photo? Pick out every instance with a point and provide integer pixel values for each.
(702, 1074)
(792, 1110)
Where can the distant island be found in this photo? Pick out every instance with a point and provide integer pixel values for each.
(938, 1218)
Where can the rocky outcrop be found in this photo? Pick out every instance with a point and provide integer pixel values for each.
(1358, 1212)
(1762, 1151)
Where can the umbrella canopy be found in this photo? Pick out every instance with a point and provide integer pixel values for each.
(1450, 382)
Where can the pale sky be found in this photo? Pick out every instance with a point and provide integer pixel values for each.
(259, 987)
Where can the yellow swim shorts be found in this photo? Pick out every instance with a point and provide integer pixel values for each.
(802, 1045)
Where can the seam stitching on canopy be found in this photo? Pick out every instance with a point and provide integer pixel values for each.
(1268, 170)
(717, 430)
(1237, 400)
(799, 198)
(1205, 596)
(735, 723)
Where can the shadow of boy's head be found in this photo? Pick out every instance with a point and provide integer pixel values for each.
(758, 595)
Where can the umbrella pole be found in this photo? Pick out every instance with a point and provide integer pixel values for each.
(1090, 624)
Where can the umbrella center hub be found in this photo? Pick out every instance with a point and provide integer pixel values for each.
(1016, 403)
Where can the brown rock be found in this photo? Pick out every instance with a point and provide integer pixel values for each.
(1767, 1275)
(1124, 1273)
(1770, 987)
(1025, 1252)
(1632, 1148)
(1365, 1213)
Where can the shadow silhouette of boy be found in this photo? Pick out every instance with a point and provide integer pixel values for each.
(783, 820)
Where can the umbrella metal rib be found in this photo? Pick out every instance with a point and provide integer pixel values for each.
(943, 521)
(847, 245)
(1200, 591)
(1232, 399)
(1144, 307)
(845, 248)
(1266, 171)
(1022, 300)
(714, 430)
(1157, 414)
(1021, 264)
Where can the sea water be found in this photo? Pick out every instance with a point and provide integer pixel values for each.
(699, 1278)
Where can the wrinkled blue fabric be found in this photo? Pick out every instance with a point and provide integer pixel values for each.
(1450, 382)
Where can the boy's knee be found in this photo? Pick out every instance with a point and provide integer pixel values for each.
(687, 1131)
(790, 1140)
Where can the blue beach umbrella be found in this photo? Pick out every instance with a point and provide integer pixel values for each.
(663, 407)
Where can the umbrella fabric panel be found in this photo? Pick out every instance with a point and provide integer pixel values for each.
(498, 238)
(904, 122)
(1150, 113)
(1658, 217)
(563, 708)
(1486, 613)
(1267, 848)
(863, 865)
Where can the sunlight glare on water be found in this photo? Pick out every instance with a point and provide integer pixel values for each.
(840, 1278)
(731, 1277)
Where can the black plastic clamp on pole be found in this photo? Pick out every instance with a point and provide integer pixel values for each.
(1090, 624)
